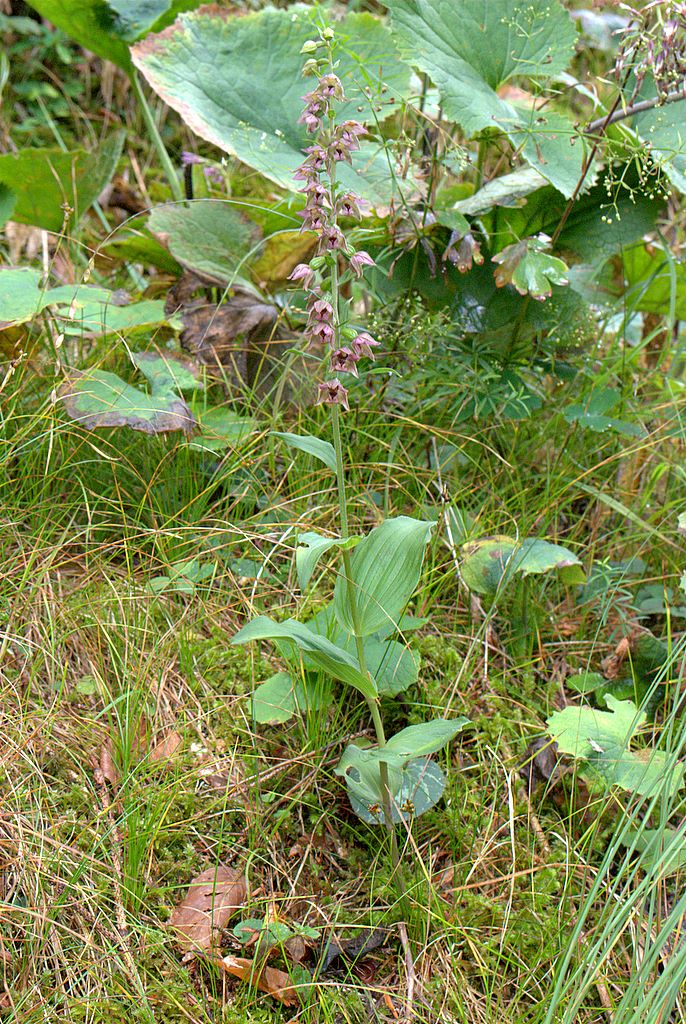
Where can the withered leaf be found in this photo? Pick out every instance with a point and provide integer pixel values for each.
(212, 898)
(269, 979)
(165, 747)
(353, 949)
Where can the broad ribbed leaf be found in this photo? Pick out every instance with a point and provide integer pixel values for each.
(210, 236)
(471, 48)
(324, 655)
(385, 571)
(281, 697)
(236, 80)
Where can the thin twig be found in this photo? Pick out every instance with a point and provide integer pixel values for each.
(635, 108)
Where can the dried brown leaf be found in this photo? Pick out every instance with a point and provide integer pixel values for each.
(165, 747)
(212, 898)
(270, 979)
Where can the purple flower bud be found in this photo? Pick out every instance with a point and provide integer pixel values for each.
(313, 218)
(347, 205)
(311, 122)
(363, 344)
(303, 272)
(340, 150)
(330, 87)
(344, 360)
(315, 191)
(332, 238)
(187, 159)
(321, 332)
(361, 259)
(316, 157)
(332, 392)
(320, 310)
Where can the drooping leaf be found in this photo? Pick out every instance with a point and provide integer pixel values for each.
(44, 180)
(236, 81)
(322, 450)
(490, 562)
(427, 738)
(385, 570)
(530, 268)
(601, 739)
(592, 414)
(83, 309)
(509, 190)
(471, 48)
(105, 27)
(394, 665)
(98, 398)
(210, 237)
(311, 547)
(325, 655)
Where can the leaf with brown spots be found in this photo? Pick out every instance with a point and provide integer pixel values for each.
(212, 899)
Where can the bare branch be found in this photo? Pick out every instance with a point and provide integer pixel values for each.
(635, 108)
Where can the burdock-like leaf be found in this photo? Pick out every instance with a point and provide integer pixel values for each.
(210, 237)
(43, 181)
(470, 48)
(488, 563)
(98, 398)
(530, 268)
(602, 738)
(236, 81)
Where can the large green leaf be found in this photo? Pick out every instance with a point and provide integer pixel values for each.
(488, 563)
(236, 80)
(135, 18)
(385, 571)
(592, 414)
(427, 738)
(210, 236)
(44, 180)
(394, 665)
(470, 48)
(531, 269)
(325, 655)
(602, 738)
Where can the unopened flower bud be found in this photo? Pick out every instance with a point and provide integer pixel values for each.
(303, 272)
(363, 344)
(310, 46)
(359, 260)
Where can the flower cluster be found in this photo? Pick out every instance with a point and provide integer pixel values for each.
(335, 258)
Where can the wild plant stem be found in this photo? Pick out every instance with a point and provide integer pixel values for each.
(156, 138)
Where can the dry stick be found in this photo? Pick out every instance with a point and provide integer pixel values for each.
(409, 968)
(635, 108)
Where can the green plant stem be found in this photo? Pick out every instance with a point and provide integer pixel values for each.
(159, 145)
